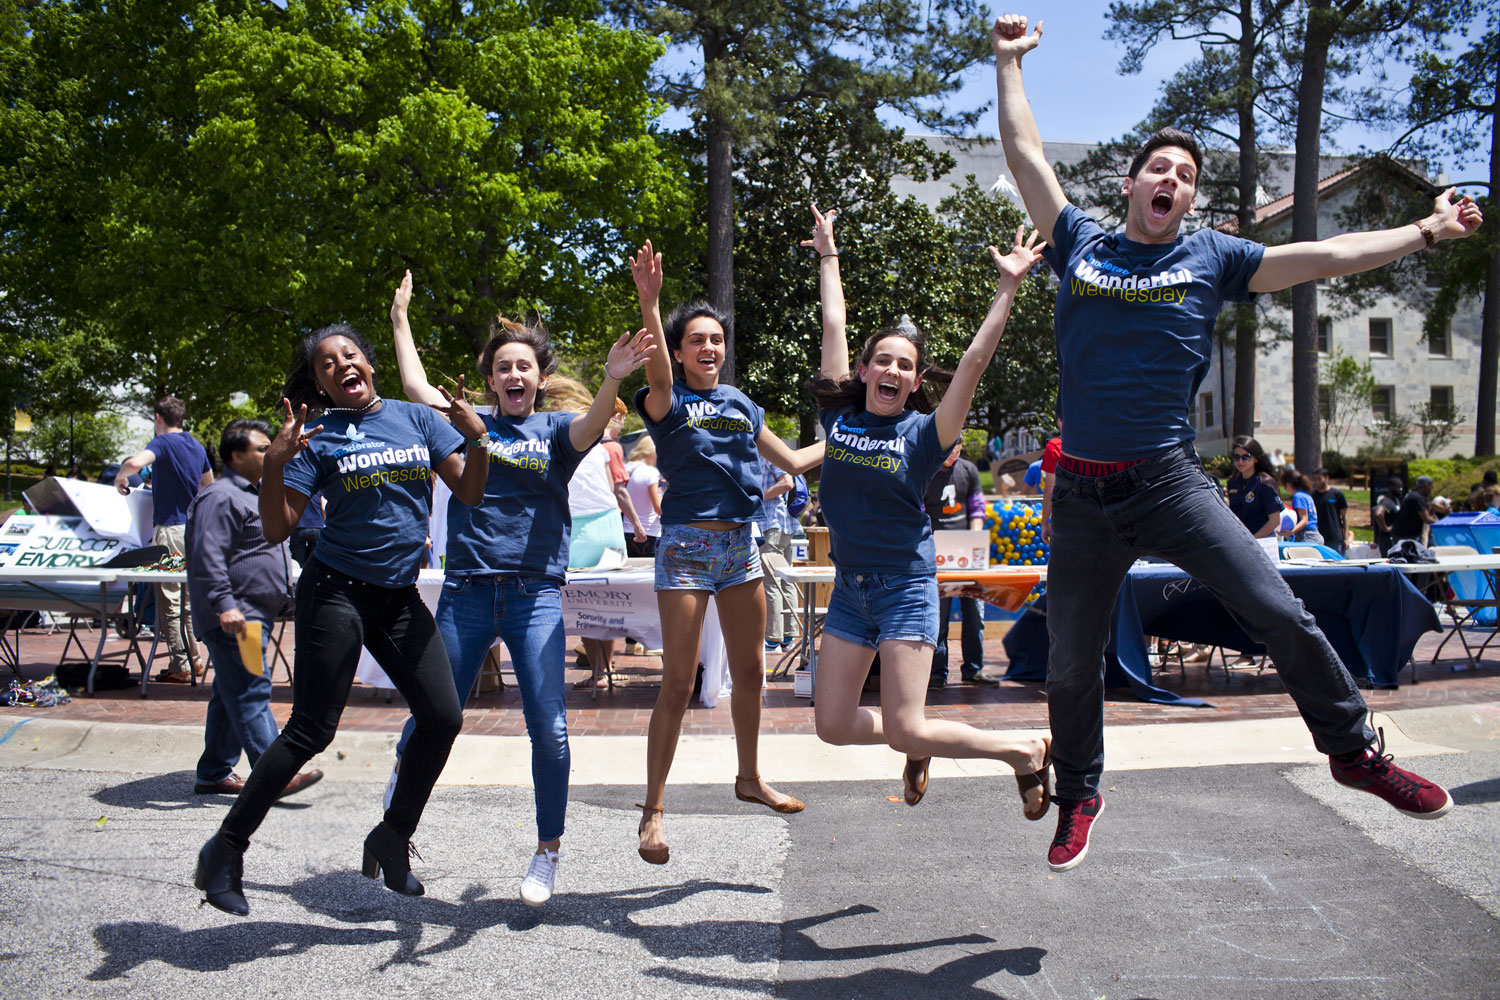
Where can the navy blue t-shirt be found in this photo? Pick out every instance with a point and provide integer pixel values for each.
(1134, 328)
(176, 475)
(522, 526)
(1254, 501)
(875, 471)
(375, 470)
(705, 448)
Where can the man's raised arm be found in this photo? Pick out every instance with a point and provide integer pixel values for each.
(1019, 137)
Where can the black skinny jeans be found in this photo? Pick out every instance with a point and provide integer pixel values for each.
(336, 614)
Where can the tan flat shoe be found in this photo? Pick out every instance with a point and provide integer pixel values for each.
(1027, 782)
(791, 805)
(651, 855)
(914, 778)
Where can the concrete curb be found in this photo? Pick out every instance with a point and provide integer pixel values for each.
(37, 742)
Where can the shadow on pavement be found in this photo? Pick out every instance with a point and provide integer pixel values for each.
(953, 980)
(168, 793)
(131, 943)
(1476, 792)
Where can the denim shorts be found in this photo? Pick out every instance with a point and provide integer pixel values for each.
(870, 608)
(689, 558)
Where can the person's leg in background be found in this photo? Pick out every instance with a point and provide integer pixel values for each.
(171, 605)
(972, 642)
(781, 595)
(939, 678)
(239, 711)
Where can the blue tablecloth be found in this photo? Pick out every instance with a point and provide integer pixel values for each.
(1372, 616)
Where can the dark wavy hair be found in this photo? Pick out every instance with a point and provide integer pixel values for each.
(684, 314)
(1169, 136)
(1296, 480)
(834, 394)
(301, 386)
(1264, 471)
(507, 331)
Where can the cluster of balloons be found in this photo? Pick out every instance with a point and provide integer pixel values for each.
(1015, 529)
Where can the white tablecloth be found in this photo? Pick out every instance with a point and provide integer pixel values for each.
(606, 605)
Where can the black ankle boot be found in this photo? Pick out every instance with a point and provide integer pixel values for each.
(220, 868)
(386, 850)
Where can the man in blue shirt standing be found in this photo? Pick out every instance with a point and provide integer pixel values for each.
(179, 469)
(1134, 320)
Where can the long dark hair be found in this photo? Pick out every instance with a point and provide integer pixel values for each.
(1296, 480)
(849, 391)
(301, 387)
(1264, 471)
(507, 331)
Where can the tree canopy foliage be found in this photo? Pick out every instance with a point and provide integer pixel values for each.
(198, 182)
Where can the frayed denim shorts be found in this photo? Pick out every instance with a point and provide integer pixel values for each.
(689, 558)
(870, 608)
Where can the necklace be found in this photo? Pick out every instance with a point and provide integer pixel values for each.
(351, 409)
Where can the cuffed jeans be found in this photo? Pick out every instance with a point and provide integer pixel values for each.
(335, 615)
(971, 639)
(1167, 507)
(239, 710)
(524, 612)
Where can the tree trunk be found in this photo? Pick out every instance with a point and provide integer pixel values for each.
(1306, 434)
(1489, 334)
(1248, 179)
(721, 232)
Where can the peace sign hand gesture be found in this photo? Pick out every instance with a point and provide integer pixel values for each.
(455, 407)
(291, 439)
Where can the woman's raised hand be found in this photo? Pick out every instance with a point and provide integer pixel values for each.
(460, 414)
(1014, 265)
(645, 268)
(629, 353)
(291, 439)
(402, 300)
(822, 233)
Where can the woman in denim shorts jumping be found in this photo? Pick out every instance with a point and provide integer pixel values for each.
(708, 441)
(885, 442)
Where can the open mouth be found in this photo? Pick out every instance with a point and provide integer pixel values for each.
(887, 392)
(515, 394)
(352, 383)
(1161, 205)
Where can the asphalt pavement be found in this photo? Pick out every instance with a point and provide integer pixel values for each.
(1232, 880)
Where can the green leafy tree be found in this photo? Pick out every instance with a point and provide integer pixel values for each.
(1346, 389)
(1436, 422)
(205, 180)
(900, 260)
(751, 61)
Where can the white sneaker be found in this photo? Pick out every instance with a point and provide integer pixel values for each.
(536, 887)
(390, 785)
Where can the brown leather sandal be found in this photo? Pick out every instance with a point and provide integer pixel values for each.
(651, 855)
(1026, 782)
(914, 778)
(791, 805)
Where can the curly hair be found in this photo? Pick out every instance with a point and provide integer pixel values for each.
(849, 391)
(301, 387)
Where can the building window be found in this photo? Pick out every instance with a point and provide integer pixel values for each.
(1442, 400)
(1380, 337)
(1383, 402)
(1325, 334)
(1205, 410)
(1439, 344)
(1325, 401)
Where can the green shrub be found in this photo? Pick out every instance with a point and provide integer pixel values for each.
(1221, 466)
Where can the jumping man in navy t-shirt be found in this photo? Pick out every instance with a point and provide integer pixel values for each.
(1134, 315)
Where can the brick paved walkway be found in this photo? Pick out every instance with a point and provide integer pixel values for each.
(626, 710)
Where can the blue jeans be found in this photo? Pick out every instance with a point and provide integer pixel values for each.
(1169, 508)
(239, 710)
(524, 612)
(971, 639)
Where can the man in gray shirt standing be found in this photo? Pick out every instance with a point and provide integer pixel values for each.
(236, 577)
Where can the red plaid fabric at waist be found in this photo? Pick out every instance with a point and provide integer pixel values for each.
(1094, 470)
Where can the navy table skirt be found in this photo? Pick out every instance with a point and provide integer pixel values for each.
(1372, 616)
